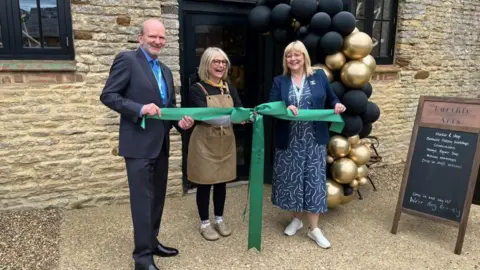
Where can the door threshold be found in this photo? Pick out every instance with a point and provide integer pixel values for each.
(231, 184)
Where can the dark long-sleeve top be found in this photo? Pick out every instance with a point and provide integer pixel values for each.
(199, 99)
(323, 97)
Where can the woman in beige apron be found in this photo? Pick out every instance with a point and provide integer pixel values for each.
(212, 155)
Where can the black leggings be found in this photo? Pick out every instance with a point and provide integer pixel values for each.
(203, 199)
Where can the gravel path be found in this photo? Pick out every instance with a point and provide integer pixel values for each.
(101, 238)
(29, 239)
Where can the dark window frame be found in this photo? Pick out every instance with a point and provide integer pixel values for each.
(369, 19)
(12, 39)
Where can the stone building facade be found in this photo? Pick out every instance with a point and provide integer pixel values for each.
(58, 142)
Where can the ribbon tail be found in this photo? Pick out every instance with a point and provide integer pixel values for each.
(256, 185)
(143, 122)
(337, 127)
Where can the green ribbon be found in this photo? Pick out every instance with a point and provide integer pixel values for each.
(276, 109)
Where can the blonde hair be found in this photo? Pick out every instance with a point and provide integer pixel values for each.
(298, 47)
(206, 61)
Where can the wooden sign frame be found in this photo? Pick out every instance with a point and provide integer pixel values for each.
(425, 118)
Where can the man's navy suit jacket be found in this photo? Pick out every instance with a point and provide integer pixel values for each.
(130, 85)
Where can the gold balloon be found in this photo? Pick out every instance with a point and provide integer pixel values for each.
(335, 61)
(354, 183)
(327, 71)
(363, 181)
(362, 171)
(339, 146)
(344, 170)
(370, 62)
(353, 139)
(349, 198)
(330, 159)
(355, 74)
(357, 45)
(295, 24)
(360, 154)
(334, 193)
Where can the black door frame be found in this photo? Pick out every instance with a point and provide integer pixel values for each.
(218, 7)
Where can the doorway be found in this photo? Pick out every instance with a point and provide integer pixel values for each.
(221, 24)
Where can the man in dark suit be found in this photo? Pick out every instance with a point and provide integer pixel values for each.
(139, 84)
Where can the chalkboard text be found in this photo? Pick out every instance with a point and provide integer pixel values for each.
(442, 149)
(451, 114)
(435, 204)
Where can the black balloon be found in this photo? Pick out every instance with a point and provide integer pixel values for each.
(320, 23)
(259, 18)
(353, 125)
(303, 10)
(347, 5)
(366, 130)
(356, 101)
(281, 15)
(337, 75)
(320, 56)
(347, 189)
(282, 36)
(311, 42)
(302, 31)
(344, 23)
(372, 113)
(271, 3)
(331, 42)
(331, 7)
(367, 89)
(339, 89)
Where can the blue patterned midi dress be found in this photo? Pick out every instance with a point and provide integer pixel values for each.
(299, 176)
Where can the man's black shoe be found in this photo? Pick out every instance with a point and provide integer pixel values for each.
(164, 251)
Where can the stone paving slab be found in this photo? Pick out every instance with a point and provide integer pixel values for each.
(101, 238)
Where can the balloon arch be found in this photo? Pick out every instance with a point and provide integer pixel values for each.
(343, 52)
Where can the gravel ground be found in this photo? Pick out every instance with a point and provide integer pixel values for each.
(29, 239)
(101, 238)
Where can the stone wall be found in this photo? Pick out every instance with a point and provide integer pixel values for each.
(57, 139)
(438, 52)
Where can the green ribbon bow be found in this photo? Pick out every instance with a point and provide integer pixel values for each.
(276, 109)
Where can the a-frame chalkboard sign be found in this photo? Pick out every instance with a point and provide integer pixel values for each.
(442, 163)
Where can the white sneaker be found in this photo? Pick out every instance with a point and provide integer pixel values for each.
(292, 228)
(317, 236)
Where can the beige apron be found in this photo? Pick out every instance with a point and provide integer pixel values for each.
(212, 154)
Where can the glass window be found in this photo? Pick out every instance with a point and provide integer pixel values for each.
(230, 38)
(41, 30)
(377, 18)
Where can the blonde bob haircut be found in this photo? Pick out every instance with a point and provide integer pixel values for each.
(297, 46)
(206, 61)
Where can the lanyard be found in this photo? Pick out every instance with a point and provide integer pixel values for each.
(298, 92)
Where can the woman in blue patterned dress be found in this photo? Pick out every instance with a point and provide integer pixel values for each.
(299, 177)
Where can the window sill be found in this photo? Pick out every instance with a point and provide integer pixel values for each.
(37, 66)
(386, 73)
